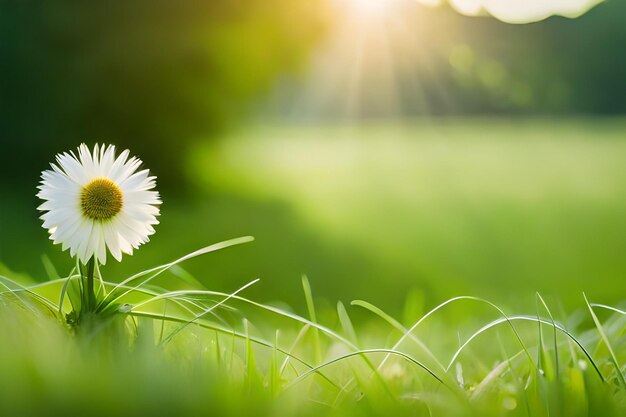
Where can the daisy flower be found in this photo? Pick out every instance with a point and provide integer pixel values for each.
(96, 201)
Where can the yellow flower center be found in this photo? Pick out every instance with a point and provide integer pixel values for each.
(101, 199)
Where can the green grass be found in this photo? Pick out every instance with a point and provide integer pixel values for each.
(190, 352)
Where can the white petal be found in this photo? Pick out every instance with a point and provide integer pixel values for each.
(73, 169)
(118, 166)
(101, 247)
(112, 240)
(127, 170)
(85, 249)
(135, 181)
(141, 197)
(106, 161)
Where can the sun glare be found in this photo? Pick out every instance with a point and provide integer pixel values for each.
(370, 7)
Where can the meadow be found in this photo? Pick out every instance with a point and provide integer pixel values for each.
(388, 222)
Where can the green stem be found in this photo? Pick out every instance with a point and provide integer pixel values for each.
(91, 295)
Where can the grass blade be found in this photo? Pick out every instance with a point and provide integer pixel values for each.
(605, 339)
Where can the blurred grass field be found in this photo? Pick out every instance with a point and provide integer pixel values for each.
(496, 208)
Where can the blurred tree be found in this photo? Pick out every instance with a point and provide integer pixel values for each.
(410, 60)
(148, 75)
(556, 66)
